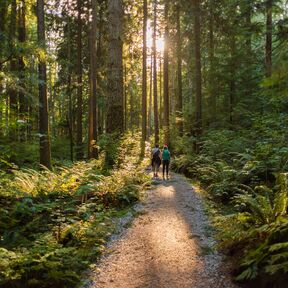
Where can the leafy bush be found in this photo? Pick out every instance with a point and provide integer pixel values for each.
(259, 235)
(267, 263)
(54, 224)
(244, 172)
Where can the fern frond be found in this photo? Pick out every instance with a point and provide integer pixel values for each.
(281, 198)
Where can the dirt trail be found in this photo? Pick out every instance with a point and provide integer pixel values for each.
(167, 246)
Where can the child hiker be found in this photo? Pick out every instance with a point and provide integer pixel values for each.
(156, 160)
(165, 161)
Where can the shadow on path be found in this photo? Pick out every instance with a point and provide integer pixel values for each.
(166, 246)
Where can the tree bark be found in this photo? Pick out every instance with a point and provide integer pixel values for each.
(247, 10)
(144, 79)
(131, 94)
(212, 84)
(101, 117)
(198, 72)
(69, 89)
(232, 79)
(179, 72)
(115, 115)
(79, 144)
(45, 152)
(125, 99)
(160, 93)
(150, 98)
(23, 103)
(166, 78)
(3, 13)
(155, 92)
(13, 99)
(93, 113)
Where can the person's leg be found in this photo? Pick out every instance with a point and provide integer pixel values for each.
(167, 169)
(156, 169)
(163, 168)
(165, 163)
(158, 166)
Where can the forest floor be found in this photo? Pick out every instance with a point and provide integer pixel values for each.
(169, 245)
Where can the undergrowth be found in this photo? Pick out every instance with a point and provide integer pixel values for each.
(54, 224)
(245, 175)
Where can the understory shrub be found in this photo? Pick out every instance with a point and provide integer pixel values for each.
(245, 174)
(54, 224)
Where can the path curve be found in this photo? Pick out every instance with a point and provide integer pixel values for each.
(167, 246)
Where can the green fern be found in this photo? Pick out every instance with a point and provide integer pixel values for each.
(263, 205)
(281, 200)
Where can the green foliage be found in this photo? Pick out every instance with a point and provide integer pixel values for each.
(268, 260)
(257, 234)
(45, 265)
(244, 172)
(60, 149)
(264, 206)
(54, 224)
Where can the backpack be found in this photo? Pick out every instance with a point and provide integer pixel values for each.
(166, 154)
(156, 158)
(156, 155)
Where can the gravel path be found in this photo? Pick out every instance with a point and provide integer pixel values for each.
(167, 246)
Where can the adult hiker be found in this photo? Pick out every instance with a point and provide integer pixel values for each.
(165, 161)
(156, 160)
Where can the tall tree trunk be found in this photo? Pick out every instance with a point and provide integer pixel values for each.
(115, 117)
(6, 113)
(160, 93)
(179, 72)
(144, 79)
(32, 119)
(155, 92)
(13, 68)
(45, 153)
(212, 84)
(166, 78)
(268, 46)
(23, 103)
(79, 144)
(69, 88)
(70, 114)
(3, 13)
(247, 10)
(3, 19)
(125, 99)
(232, 79)
(101, 117)
(93, 113)
(130, 89)
(198, 72)
(150, 98)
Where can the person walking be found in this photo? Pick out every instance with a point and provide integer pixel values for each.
(166, 161)
(156, 160)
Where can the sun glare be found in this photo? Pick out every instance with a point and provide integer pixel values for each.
(159, 41)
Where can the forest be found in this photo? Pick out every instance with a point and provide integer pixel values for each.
(88, 87)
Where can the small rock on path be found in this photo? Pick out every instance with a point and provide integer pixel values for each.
(167, 246)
